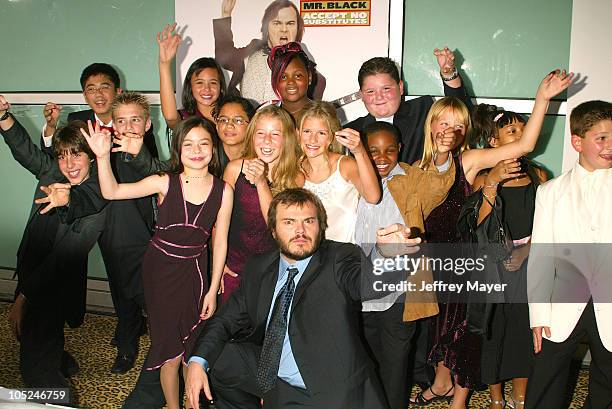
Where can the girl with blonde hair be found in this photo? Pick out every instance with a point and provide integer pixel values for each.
(337, 180)
(269, 166)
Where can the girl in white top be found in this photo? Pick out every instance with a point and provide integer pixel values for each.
(337, 180)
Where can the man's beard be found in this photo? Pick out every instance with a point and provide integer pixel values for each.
(304, 253)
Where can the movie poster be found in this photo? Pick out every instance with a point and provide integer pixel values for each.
(339, 36)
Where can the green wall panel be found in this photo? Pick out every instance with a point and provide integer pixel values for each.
(504, 47)
(46, 43)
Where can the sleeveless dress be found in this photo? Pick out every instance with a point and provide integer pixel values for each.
(451, 342)
(508, 351)
(340, 199)
(174, 271)
(248, 233)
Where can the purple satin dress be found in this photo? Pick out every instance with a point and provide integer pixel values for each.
(174, 272)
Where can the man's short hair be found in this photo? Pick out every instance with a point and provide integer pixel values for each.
(128, 98)
(382, 126)
(588, 114)
(299, 197)
(100, 68)
(378, 65)
(68, 139)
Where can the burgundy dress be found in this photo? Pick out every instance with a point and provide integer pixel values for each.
(174, 271)
(451, 342)
(248, 233)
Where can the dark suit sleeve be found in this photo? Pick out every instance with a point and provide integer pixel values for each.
(26, 152)
(231, 319)
(145, 164)
(85, 199)
(460, 93)
(353, 270)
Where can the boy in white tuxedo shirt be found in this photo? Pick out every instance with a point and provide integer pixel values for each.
(568, 274)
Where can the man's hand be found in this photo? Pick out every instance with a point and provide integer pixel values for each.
(128, 142)
(58, 195)
(51, 112)
(15, 316)
(537, 338)
(227, 6)
(196, 381)
(395, 240)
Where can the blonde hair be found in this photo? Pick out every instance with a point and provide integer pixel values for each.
(436, 111)
(326, 112)
(286, 170)
(131, 98)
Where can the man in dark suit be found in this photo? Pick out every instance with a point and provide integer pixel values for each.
(129, 222)
(382, 92)
(317, 360)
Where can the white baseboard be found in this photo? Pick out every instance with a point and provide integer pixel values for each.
(98, 293)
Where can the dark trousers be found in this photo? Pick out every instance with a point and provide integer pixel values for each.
(549, 377)
(390, 341)
(422, 371)
(41, 346)
(123, 244)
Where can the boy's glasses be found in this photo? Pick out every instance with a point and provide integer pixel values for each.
(104, 88)
(237, 120)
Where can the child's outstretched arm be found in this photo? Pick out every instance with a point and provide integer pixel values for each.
(360, 172)
(100, 143)
(168, 42)
(219, 251)
(477, 159)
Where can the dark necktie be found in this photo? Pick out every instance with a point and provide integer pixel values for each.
(269, 359)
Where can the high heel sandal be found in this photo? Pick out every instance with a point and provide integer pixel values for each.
(421, 400)
(514, 404)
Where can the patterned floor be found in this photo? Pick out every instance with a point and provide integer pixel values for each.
(97, 388)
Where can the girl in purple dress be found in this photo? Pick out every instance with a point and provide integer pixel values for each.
(191, 203)
(455, 352)
(270, 165)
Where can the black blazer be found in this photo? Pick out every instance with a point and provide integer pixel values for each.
(410, 120)
(324, 324)
(52, 255)
(127, 174)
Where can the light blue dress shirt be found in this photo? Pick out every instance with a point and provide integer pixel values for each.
(288, 369)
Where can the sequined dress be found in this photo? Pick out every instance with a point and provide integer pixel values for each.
(248, 233)
(450, 340)
(174, 271)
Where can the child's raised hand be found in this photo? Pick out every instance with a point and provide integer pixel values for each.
(255, 171)
(51, 111)
(168, 42)
(446, 60)
(128, 142)
(553, 84)
(99, 140)
(209, 306)
(58, 195)
(446, 140)
(4, 105)
(351, 139)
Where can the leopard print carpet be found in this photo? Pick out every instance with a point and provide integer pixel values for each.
(97, 388)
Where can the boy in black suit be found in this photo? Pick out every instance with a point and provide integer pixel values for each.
(130, 222)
